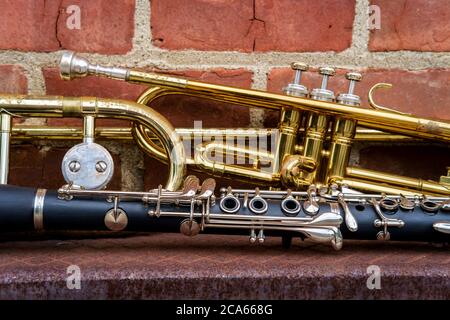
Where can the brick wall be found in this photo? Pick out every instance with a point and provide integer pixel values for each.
(246, 43)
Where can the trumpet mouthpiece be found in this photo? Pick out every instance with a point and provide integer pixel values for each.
(71, 66)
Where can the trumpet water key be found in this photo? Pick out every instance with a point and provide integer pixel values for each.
(315, 133)
(319, 215)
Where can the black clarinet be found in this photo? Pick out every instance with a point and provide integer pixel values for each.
(317, 215)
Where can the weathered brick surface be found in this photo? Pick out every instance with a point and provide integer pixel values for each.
(13, 79)
(181, 111)
(35, 166)
(423, 93)
(42, 25)
(416, 25)
(258, 25)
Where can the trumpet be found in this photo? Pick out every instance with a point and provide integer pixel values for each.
(321, 199)
(315, 132)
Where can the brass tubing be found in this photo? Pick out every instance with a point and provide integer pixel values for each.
(56, 106)
(376, 187)
(72, 66)
(216, 168)
(25, 132)
(28, 132)
(376, 119)
(427, 187)
(88, 128)
(287, 139)
(372, 135)
(5, 123)
(316, 128)
(341, 142)
(150, 145)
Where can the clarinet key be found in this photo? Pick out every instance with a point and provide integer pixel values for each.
(261, 236)
(116, 219)
(252, 238)
(189, 228)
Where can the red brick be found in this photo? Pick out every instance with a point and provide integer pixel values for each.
(253, 25)
(13, 79)
(304, 25)
(416, 25)
(42, 26)
(106, 26)
(181, 111)
(29, 25)
(32, 166)
(231, 77)
(423, 93)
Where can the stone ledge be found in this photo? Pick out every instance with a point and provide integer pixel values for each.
(169, 266)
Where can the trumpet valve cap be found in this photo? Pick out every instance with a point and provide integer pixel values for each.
(355, 76)
(299, 66)
(327, 71)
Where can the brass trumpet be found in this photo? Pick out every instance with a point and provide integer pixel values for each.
(325, 126)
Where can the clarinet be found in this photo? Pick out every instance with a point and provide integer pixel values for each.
(318, 215)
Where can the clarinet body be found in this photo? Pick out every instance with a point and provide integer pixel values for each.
(313, 215)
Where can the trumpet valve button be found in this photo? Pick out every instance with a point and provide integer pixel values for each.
(353, 76)
(299, 66)
(323, 93)
(350, 98)
(327, 71)
(295, 88)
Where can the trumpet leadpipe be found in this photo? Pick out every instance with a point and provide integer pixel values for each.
(72, 66)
